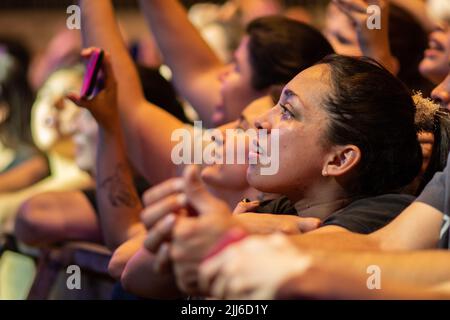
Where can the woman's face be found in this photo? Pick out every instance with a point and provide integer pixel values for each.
(434, 65)
(301, 124)
(53, 116)
(235, 86)
(233, 176)
(340, 32)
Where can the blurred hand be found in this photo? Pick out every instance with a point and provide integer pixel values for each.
(193, 238)
(253, 268)
(373, 43)
(103, 106)
(166, 216)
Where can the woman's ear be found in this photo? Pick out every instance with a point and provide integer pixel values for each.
(341, 160)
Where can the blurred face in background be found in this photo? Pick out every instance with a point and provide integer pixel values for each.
(235, 86)
(85, 139)
(53, 116)
(340, 32)
(434, 65)
(233, 176)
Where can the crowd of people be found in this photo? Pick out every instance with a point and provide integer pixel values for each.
(361, 117)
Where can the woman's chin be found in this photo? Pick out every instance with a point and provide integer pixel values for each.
(263, 183)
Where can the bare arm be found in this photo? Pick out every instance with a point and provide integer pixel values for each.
(416, 268)
(118, 203)
(329, 282)
(417, 227)
(138, 276)
(117, 199)
(24, 175)
(147, 128)
(123, 254)
(195, 74)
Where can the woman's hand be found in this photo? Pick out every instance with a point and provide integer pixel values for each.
(253, 268)
(373, 43)
(103, 106)
(258, 223)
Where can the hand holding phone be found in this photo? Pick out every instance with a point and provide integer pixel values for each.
(92, 80)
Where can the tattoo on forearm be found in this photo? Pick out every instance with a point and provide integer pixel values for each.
(120, 191)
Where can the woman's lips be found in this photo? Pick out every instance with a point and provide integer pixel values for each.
(435, 48)
(255, 152)
(256, 147)
(253, 157)
(218, 116)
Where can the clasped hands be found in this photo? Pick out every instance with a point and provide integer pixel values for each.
(185, 222)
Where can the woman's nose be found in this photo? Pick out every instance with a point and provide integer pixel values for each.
(263, 122)
(441, 93)
(225, 72)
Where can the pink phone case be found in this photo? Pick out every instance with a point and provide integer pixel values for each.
(91, 76)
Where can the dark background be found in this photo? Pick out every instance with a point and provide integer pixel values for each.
(57, 4)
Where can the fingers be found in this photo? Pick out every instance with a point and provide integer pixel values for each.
(75, 98)
(161, 264)
(198, 196)
(358, 6)
(79, 101)
(108, 71)
(185, 229)
(194, 187)
(354, 10)
(243, 207)
(160, 233)
(152, 195)
(209, 270)
(87, 52)
(308, 224)
(187, 278)
(151, 214)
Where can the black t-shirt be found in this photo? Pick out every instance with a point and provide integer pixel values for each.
(365, 215)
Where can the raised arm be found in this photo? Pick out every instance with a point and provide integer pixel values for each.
(147, 128)
(118, 203)
(374, 43)
(194, 65)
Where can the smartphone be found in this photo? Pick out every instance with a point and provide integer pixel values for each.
(92, 80)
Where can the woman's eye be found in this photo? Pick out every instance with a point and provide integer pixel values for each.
(285, 113)
(343, 40)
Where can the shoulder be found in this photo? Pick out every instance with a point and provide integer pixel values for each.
(370, 214)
